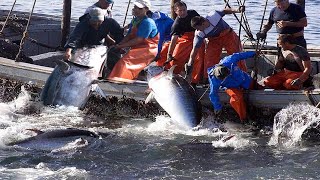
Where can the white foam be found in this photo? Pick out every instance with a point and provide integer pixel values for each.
(41, 171)
(291, 122)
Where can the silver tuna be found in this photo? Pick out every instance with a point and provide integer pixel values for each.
(175, 95)
(71, 83)
(56, 140)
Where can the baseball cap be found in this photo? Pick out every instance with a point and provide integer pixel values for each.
(96, 14)
(142, 3)
(109, 1)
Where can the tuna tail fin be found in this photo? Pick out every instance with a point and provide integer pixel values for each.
(94, 88)
(149, 98)
(37, 131)
(170, 72)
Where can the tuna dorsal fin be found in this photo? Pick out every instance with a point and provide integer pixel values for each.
(64, 66)
(36, 131)
(170, 72)
(96, 88)
(149, 98)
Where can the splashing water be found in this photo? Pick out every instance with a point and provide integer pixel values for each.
(290, 124)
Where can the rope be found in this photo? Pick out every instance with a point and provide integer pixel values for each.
(125, 17)
(245, 21)
(24, 35)
(258, 47)
(42, 44)
(5, 23)
(241, 18)
(204, 93)
(245, 28)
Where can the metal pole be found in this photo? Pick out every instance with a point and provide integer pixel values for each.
(302, 3)
(173, 14)
(65, 23)
(125, 17)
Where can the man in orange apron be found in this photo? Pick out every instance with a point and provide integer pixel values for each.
(293, 68)
(178, 50)
(220, 35)
(142, 38)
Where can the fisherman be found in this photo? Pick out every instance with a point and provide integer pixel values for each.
(293, 68)
(227, 75)
(92, 31)
(290, 18)
(163, 23)
(178, 50)
(105, 6)
(142, 38)
(220, 35)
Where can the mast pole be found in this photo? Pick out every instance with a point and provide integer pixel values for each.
(65, 23)
(173, 14)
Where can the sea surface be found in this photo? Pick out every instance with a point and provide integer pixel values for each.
(254, 13)
(157, 148)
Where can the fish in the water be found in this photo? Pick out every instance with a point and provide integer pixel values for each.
(72, 82)
(44, 137)
(175, 95)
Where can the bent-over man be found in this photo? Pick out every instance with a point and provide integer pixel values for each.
(220, 35)
(229, 76)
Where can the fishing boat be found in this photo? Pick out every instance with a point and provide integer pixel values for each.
(46, 34)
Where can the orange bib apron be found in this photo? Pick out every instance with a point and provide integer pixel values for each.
(228, 40)
(139, 56)
(181, 52)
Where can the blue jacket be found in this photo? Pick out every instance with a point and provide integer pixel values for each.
(164, 23)
(236, 79)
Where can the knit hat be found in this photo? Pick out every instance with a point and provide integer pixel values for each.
(96, 14)
(220, 71)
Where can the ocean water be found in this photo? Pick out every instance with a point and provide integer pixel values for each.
(157, 148)
(254, 13)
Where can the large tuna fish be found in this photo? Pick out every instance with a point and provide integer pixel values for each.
(175, 96)
(56, 140)
(71, 82)
(53, 134)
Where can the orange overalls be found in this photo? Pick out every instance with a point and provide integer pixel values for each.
(282, 80)
(181, 52)
(237, 101)
(227, 39)
(139, 56)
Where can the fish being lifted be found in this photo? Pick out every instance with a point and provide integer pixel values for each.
(72, 82)
(175, 95)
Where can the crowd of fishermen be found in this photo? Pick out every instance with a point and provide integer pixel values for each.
(194, 45)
